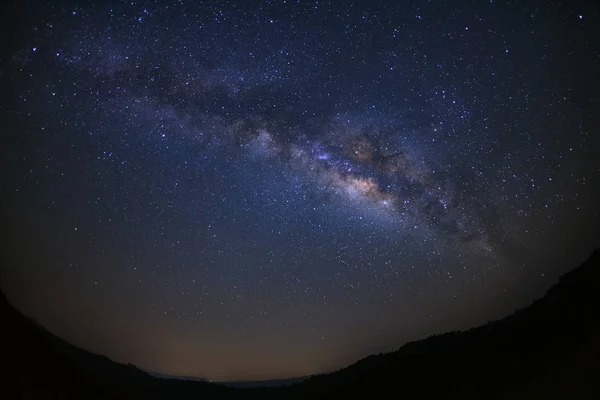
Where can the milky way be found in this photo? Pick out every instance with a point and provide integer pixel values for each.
(281, 188)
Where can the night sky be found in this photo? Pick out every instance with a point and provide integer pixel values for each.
(274, 189)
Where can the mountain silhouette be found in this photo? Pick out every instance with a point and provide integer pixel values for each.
(548, 350)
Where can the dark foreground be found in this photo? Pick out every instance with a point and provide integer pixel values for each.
(549, 350)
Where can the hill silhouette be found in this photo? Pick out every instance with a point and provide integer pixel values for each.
(548, 350)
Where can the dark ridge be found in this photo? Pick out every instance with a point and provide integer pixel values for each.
(548, 350)
(272, 383)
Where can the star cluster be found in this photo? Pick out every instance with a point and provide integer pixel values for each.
(279, 188)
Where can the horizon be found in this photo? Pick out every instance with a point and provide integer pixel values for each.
(282, 381)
